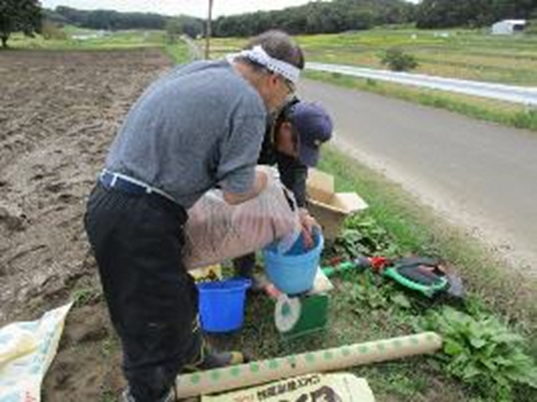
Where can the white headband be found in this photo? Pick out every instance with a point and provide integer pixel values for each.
(259, 56)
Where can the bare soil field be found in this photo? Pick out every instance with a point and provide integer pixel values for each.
(58, 113)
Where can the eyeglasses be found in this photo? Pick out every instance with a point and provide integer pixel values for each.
(291, 88)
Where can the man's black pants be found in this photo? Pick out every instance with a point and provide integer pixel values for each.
(138, 242)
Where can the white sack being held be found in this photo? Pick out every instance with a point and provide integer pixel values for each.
(216, 231)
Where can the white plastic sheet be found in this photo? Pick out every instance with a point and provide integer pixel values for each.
(26, 352)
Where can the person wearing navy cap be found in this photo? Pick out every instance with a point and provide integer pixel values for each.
(292, 143)
(301, 130)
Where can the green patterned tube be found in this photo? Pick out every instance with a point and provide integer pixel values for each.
(255, 373)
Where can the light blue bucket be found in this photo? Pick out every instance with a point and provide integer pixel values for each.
(221, 304)
(294, 271)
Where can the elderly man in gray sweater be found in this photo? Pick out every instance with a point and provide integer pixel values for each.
(199, 127)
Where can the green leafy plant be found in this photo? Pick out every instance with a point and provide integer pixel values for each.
(483, 352)
(366, 294)
(369, 291)
(525, 119)
(362, 235)
(397, 60)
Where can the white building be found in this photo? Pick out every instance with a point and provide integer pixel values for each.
(508, 27)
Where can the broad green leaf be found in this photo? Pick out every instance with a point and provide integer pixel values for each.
(477, 343)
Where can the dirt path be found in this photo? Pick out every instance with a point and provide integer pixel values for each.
(58, 113)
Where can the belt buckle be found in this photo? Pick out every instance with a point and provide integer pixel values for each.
(113, 179)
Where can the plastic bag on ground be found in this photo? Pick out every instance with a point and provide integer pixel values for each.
(216, 231)
(26, 351)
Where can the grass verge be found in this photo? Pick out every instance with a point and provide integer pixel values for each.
(416, 229)
(493, 288)
(499, 311)
(503, 113)
(178, 52)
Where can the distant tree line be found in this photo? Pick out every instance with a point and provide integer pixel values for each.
(472, 13)
(314, 17)
(106, 19)
(114, 20)
(345, 15)
(182, 25)
(319, 17)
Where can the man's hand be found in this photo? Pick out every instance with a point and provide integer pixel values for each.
(308, 224)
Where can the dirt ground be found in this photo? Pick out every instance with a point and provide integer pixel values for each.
(58, 114)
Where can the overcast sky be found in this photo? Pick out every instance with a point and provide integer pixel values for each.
(196, 8)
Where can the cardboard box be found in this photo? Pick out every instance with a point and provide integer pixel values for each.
(328, 207)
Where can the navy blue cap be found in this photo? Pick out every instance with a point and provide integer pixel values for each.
(314, 127)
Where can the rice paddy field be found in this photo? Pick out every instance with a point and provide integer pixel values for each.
(466, 54)
(87, 39)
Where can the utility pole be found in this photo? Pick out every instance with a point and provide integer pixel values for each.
(208, 30)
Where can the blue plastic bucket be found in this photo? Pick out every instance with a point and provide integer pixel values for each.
(294, 271)
(221, 304)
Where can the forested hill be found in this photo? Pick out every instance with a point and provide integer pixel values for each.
(316, 17)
